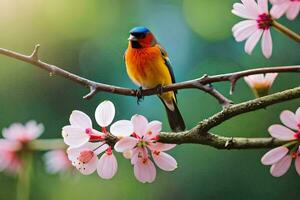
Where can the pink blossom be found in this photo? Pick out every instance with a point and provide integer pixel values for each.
(144, 139)
(23, 133)
(260, 83)
(257, 25)
(57, 161)
(289, 7)
(80, 130)
(280, 158)
(87, 143)
(9, 158)
(16, 137)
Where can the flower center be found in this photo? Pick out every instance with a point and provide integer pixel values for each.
(142, 143)
(264, 21)
(85, 156)
(297, 135)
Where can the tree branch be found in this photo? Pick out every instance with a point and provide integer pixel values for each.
(246, 107)
(200, 83)
(199, 134)
(209, 139)
(219, 142)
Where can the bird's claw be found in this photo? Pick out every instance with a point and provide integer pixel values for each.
(139, 95)
(159, 89)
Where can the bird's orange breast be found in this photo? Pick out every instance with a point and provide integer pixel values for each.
(146, 67)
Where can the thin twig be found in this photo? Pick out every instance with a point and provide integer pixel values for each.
(283, 29)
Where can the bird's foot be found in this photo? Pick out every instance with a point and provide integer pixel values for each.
(139, 95)
(159, 89)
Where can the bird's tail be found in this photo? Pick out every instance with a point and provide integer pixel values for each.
(175, 119)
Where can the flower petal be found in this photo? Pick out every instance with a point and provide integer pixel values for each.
(80, 119)
(153, 129)
(293, 11)
(73, 152)
(139, 124)
(288, 118)
(105, 113)
(243, 24)
(274, 155)
(297, 114)
(56, 161)
(144, 171)
(107, 166)
(87, 168)
(266, 43)
(270, 77)
(138, 153)
(297, 164)
(242, 34)
(122, 128)
(251, 6)
(262, 6)
(127, 154)
(278, 1)
(241, 11)
(281, 167)
(157, 146)
(14, 132)
(74, 136)
(100, 147)
(278, 10)
(9, 145)
(4, 161)
(33, 129)
(281, 132)
(164, 161)
(125, 144)
(252, 41)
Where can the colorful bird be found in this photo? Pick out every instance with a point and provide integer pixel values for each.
(148, 66)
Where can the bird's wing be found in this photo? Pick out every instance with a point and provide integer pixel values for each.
(167, 62)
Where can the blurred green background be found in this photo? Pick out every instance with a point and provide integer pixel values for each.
(89, 38)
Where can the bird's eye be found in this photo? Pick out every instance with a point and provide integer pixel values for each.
(142, 35)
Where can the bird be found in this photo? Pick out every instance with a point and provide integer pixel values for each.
(148, 66)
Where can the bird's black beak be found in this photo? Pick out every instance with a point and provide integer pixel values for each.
(132, 38)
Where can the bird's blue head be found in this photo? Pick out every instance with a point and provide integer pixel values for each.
(139, 30)
(141, 37)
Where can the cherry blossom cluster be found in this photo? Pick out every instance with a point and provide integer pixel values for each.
(16, 138)
(258, 21)
(280, 158)
(137, 140)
